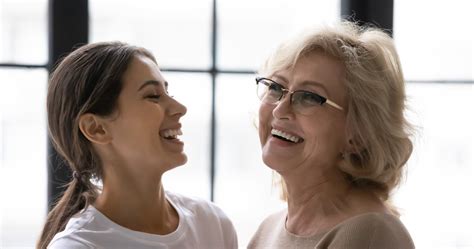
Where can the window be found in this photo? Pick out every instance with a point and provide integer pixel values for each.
(20, 22)
(249, 30)
(23, 78)
(437, 57)
(22, 155)
(432, 47)
(193, 91)
(177, 32)
(434, 200)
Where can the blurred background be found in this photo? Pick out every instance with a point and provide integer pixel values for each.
(209, 51)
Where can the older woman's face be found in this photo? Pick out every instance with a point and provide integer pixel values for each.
(319, 137)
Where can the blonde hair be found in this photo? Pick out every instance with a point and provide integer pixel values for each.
(376, 99)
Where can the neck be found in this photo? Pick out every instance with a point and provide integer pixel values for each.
(314, 201)
(137, 203)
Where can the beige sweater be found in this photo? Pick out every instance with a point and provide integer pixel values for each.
(365, 231)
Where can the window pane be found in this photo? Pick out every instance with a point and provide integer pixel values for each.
(23, 172)
(249, 30)
(436, 199)
(177, 32)
(243, 183)
(22, 22)
(194, 91)
(435, 39)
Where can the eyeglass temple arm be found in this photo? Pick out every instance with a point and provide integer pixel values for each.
(334, 105)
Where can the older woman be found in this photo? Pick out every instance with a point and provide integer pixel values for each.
(331, 123)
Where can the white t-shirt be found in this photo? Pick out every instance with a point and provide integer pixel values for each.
(201, 225)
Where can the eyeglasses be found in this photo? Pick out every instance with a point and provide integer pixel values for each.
(302, 102)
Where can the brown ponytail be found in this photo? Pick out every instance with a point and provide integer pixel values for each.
(71, 202)
(89, 80)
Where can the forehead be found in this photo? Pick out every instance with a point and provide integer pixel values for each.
(316, 66)
(324, 71)
(140, 70)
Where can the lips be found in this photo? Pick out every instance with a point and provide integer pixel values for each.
(286, 136)
(171, 133)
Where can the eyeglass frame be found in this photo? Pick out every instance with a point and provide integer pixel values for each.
(286, 92)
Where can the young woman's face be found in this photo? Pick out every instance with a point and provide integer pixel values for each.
(146, 123)
(319, 134)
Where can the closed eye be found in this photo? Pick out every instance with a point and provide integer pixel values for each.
(309, 98)
(154, 97)
(275, 87)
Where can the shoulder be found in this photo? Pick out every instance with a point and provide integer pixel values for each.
(80, 231)
(203, 215)
(273, 221)
(271, 229)
(196, 206)
(199, 210)
(370, 230)
(380, 223)
(67, 242)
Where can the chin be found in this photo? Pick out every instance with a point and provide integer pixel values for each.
(183, 161)
(174, 162)
(274, 163)
(276, 160)
(179, 160)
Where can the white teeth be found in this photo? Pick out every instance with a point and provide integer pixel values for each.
(285, 135)
(171, 133)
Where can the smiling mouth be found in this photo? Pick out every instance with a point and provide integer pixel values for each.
(171, 134)
(286, 137)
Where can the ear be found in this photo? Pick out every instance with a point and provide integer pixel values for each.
(353, 146)
(94, 129)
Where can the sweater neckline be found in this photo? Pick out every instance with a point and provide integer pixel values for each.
(319, 235)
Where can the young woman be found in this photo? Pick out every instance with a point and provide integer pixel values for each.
(112, 120)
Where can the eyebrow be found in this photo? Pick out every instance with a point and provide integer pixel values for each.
(312, 82)
(154, 83)
(305, 83)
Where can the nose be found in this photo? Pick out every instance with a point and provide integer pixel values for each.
(176, 108)
(283, 109)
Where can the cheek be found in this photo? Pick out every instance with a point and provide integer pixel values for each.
(143, 120)
(327, 139)
(264, 118)
(158, 115)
